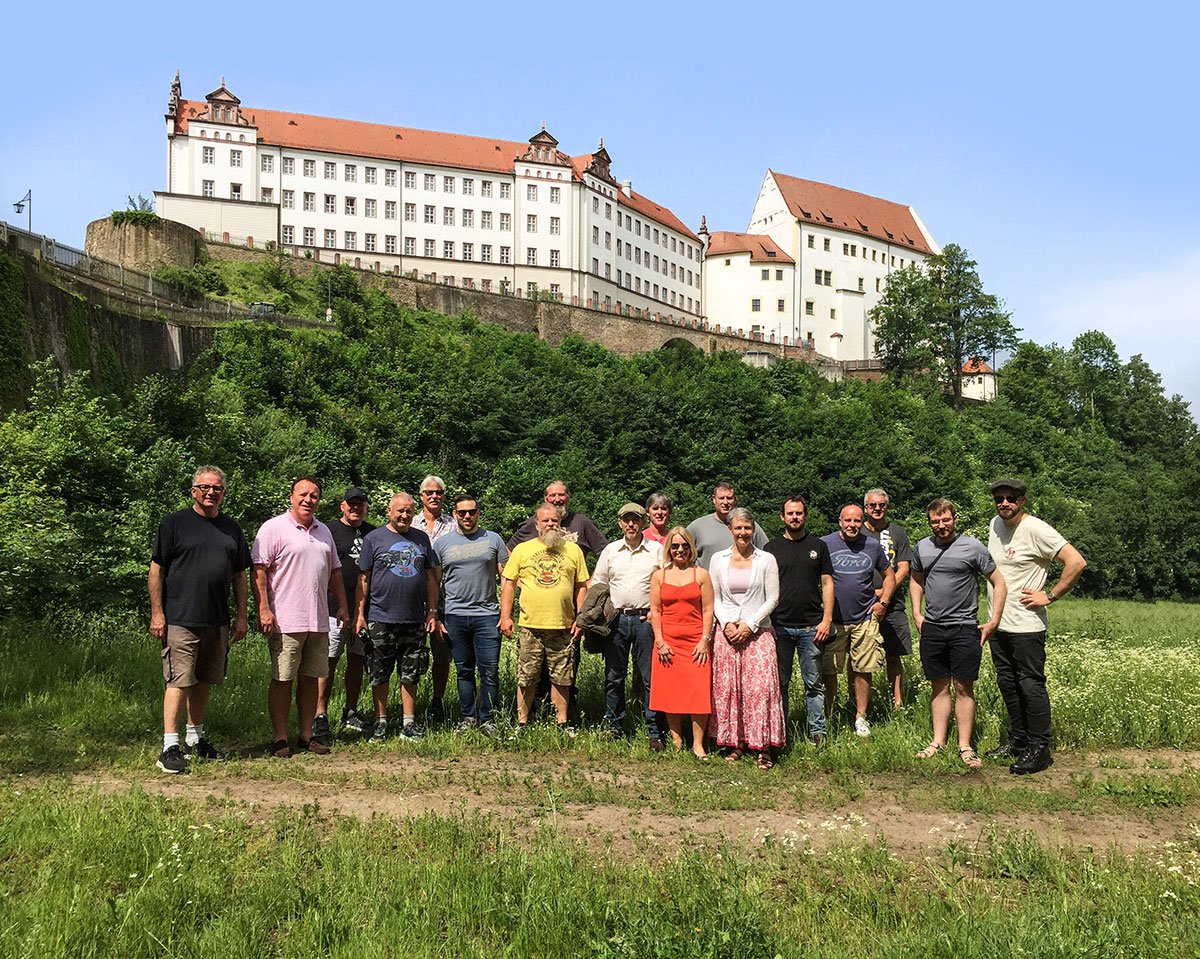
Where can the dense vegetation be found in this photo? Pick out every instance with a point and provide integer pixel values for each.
(391, 394)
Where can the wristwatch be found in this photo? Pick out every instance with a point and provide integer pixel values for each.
(1050, 595)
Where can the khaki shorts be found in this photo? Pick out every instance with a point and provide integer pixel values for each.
(191, 656)
(862, 641)
(550, 646)
(298, 654)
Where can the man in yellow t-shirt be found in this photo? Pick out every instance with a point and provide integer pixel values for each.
(552, 575)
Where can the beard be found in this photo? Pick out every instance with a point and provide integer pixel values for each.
(552, 538)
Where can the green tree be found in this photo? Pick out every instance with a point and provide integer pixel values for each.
(937, 317)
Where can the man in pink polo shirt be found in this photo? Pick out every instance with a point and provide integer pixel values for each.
(296, 565)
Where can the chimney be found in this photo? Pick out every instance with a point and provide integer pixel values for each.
(627, 187)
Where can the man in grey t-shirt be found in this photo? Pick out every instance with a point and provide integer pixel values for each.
(945, 574)
(472, 558)
(711, 532)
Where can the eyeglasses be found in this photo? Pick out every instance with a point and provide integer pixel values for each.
(433, 492)
(877, 506)
(680, 546)
(466, 512)
(1005, 498)
(209, 488)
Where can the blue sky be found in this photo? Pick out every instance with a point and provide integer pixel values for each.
(1058, 143)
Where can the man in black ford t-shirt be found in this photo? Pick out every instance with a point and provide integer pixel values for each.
(198, 554)
(348, 534)
(804, 615)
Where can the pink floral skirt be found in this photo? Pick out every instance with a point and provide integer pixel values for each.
(747, 708)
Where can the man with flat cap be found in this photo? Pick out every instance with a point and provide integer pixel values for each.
(1024, 548)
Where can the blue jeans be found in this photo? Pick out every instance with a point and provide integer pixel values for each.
(799, 641)
(475, 642)
(630, 633)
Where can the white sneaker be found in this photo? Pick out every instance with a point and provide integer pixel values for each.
(862, 727)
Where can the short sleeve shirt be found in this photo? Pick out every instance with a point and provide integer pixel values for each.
(893, 538)
(469, 571)
(802, 563)
(548, 580)
(349, 540)
(854, 567)
(1023, 554)
(397, 563)
(199, 558)
(951, 574)
(299, 560)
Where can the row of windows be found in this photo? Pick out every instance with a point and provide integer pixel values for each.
(635, 227)
(756, 306)
(766, 274)
(634, 253)
(852, 249)
(810, 309)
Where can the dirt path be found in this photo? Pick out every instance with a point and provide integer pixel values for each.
(1082, 801)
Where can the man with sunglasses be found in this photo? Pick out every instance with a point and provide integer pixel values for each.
(472, 559)
(199, 553)
(893, 627)
(1024, 548)
(435, 523)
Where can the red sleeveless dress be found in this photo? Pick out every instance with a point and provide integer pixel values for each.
(684, 686)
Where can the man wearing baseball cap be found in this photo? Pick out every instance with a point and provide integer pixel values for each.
(1024, 548)
(348, 533)
(625, 567)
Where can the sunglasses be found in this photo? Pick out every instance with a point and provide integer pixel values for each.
(680, 546)
(1005, 498)
(433, 492)
(466, 512)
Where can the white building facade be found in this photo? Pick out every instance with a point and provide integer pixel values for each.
(843, 245)
(749, 282)
(495, 215)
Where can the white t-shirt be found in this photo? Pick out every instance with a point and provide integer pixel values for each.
(1023, 554)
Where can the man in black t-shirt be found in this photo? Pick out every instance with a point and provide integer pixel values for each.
(804, 615)
(893, 538)
(348, 534)
(198, 554)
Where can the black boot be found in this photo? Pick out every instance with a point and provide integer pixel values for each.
(1010, 750)
(1032, 761)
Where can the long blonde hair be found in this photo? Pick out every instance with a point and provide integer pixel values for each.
(665, 559)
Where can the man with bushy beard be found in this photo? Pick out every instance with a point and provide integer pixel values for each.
(552, 576)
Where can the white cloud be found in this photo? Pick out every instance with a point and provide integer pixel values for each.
(1155, 312)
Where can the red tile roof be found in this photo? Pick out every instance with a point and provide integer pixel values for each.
(831, 206)
(976, 366)
(638, 203)
(377, 140)
(762, 248)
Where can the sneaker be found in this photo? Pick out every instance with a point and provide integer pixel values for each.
(489, 729)
(320, 726)
(465, 726)
(202, 749)
(568, 730)
(172, 761)
(436, 714)
(380, 733)
(412, 731)
(1006, 751)
(862, 727)
(314, 746)
(353, 721)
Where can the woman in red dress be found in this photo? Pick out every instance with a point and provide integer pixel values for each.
(681, 613)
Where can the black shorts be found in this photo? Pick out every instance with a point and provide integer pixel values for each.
(398, 648)
(952, 650)
(897, 637)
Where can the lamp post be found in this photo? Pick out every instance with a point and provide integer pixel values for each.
(26, 200)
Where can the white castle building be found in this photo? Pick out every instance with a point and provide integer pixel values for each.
(469, 211)
(812, 265)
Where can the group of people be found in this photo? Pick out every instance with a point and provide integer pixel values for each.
(713, 615)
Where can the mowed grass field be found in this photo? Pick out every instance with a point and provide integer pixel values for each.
(555, 847)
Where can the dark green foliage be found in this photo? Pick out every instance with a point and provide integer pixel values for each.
(14, 343)
(142, 216)
(392, 394)
(201, 280)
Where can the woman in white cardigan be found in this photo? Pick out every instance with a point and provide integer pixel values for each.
(747, 708)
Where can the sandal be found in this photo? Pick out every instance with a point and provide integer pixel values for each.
(764, 761)
(281, 749)
(970, 759)
(929, 751)
(733, 755)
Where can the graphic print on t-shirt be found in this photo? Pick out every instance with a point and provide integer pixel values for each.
(401, 559)
(549, 568)
(851, 561)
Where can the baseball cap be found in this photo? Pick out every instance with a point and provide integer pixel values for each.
(353, 493)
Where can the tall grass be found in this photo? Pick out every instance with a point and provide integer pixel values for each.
(80, 692)
(129, 875)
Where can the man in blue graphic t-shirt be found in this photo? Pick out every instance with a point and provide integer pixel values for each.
(397, 605)
(856, 611)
